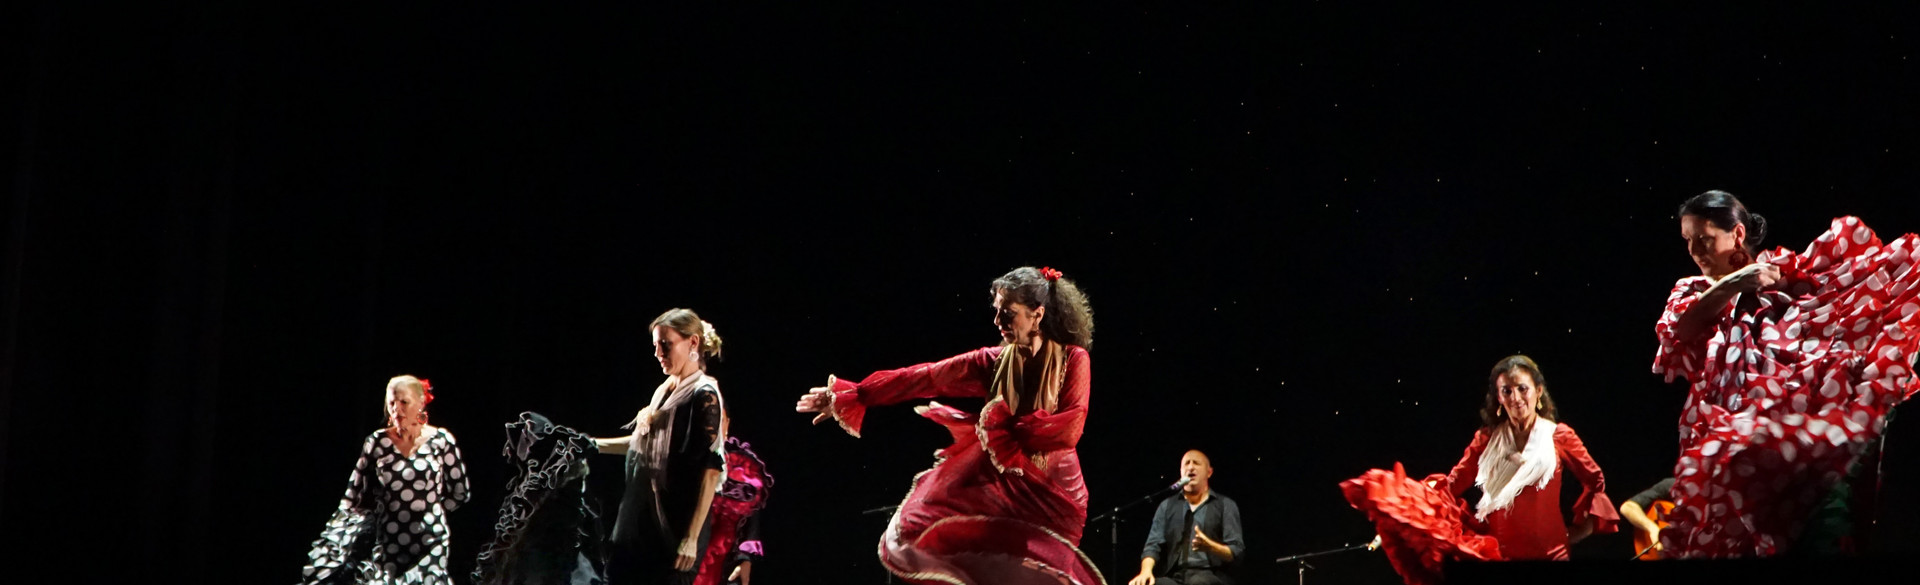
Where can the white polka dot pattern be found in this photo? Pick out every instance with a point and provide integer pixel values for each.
(1783, 396)
(402, 500)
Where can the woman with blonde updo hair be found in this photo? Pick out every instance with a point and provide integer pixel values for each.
(391, 526)
(1006, 504)
(676, 458)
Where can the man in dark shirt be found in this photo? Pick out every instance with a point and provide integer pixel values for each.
(1195, 536)
(1638, 512)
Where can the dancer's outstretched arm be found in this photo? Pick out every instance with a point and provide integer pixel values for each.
(964, 375)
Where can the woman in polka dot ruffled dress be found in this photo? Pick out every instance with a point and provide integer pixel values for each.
(391, 526)
(1793, 362)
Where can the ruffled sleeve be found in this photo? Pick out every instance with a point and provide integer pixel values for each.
(1677, 358)
(1009, 438)
(965, 375)
(1593, 503)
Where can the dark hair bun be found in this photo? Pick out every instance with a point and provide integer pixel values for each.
(1756, 231)
(1725, 211)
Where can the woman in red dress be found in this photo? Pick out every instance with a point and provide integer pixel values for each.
(1793, 361)
(1516, 460)
(1006, 503)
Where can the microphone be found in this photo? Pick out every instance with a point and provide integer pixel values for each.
(1180, 484)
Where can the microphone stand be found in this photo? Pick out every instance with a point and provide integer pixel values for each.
(1302, 558)
(1113, 522)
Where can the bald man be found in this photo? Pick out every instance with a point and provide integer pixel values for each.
(1196, 535)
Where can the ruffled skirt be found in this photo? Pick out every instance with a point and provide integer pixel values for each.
(1793, 392)
(967, 522)
(1420, 527)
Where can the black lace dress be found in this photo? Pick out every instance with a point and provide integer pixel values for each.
(660, 497)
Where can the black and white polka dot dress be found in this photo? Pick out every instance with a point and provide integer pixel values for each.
(391, 527)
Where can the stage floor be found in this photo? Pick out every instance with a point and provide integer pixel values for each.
(1804, 571)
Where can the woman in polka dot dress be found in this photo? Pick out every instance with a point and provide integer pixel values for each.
(1793, 362)
(392, 523)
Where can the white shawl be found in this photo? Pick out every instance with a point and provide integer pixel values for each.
(1501, 479)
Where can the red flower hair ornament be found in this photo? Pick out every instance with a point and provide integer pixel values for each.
(426, 393)
(1050, 274)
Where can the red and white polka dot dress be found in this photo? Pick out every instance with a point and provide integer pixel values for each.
(1782, 397)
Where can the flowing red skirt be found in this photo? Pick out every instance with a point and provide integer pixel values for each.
(967, 522)
(1420, 527)
(1784, 398)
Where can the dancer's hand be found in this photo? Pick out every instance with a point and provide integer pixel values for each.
(1580, 531)
(818, 400)
(1753, 277)
(1142, 579)
(742, 574)
(689, 554)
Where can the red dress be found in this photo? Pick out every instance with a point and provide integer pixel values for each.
(1788, 389)
(966, 520)
(735, 519)
(1422, 526)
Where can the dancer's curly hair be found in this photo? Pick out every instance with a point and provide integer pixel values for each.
(1069, 317)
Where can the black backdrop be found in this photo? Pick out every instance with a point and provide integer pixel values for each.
(1307, 229)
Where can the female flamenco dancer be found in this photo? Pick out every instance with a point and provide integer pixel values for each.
(1515, 459)
(1793, 362)
(736, 518)
(675, 460)
(391, 526)
(1006, 503)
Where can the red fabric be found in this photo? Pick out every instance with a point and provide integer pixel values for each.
(966, 520)
(728, 517)
(1421, 526)
(1531, 528)
(1785, 393)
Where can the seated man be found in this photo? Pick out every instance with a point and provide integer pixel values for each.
(1646, 512)
(1196, 534)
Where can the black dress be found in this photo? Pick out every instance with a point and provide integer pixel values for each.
(659, 502)
(549, 528)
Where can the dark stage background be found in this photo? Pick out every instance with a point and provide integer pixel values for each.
(1308, 229)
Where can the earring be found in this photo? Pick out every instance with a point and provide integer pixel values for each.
(1500, 411)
